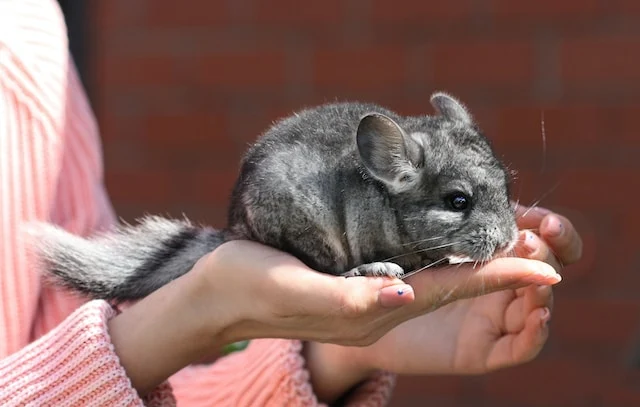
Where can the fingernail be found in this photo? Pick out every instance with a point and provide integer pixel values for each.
(530, 242)
(546, 271)
(554, 227)
(545, 317)
(395, 295)
(542, 211)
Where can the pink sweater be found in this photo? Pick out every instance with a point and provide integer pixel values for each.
(54, 349)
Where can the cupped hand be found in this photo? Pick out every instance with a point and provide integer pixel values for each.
(272, 294)
(470, 336)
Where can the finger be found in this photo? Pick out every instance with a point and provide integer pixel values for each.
(532, 297)
(537, 296)
(530, 246)
(562, 237)
(396, 295)
(293, 288)
(530, 218)
(438, 287)
(516, 348)
(349, 297)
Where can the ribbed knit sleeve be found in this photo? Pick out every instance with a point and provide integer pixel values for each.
(269, 372)
(72, 365)
(50, 170)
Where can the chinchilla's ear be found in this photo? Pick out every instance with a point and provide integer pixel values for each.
(387, 153)
(450, 108)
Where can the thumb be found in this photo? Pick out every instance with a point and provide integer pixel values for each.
(438, 287)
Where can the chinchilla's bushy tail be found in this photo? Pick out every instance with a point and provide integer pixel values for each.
(125, 264)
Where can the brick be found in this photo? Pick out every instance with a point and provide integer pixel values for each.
(623, 392)
(204, 213)
(214, 156)
(293, 13)
(114, 126)
(557, 127)
(485, 64)
(122, 154)
(115, 15)
(169, 14)
(552, 383)
(435, 390)
(424, 12)
(191, 128)
(360, 68)
(137, 187)
(138, 70)
(237, 70)
(521, 126)
(568, 9)
(592, 188)
(623, 7)
(601, 61)
(591, 322)
(206, 187)
(621, 124)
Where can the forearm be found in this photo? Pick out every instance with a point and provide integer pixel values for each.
(166, 331)
(335, 370)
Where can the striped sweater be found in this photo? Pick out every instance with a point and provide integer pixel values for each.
(54, 349)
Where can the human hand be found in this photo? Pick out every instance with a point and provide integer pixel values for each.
(244, 290)
(469, 336)
(281, 297)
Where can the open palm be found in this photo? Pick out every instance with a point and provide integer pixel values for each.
(469, 336)
(483, 333)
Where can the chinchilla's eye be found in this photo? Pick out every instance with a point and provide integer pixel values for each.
(458, 201)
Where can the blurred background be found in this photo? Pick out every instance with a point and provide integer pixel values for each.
(181, 88)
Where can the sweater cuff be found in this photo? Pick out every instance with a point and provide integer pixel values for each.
(376, 391)
(269, 372)
(74, 364)
(293, 387)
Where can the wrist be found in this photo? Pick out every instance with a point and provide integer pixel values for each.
(168, 330)
(335, 369)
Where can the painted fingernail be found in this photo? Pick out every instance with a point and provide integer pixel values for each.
(554, 227)
(530, 241)
(395, 296)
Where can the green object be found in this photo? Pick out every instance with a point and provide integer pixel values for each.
(235, 347)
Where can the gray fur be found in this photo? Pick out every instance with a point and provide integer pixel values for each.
(126, 263)
(345, 187)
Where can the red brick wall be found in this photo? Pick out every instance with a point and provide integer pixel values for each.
(179, 91)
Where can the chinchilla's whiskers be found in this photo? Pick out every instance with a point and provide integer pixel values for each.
(546, 194)
(423, 268)
(423, 240)
(421, 251)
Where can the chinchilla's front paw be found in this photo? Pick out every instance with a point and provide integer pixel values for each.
(375, 270)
